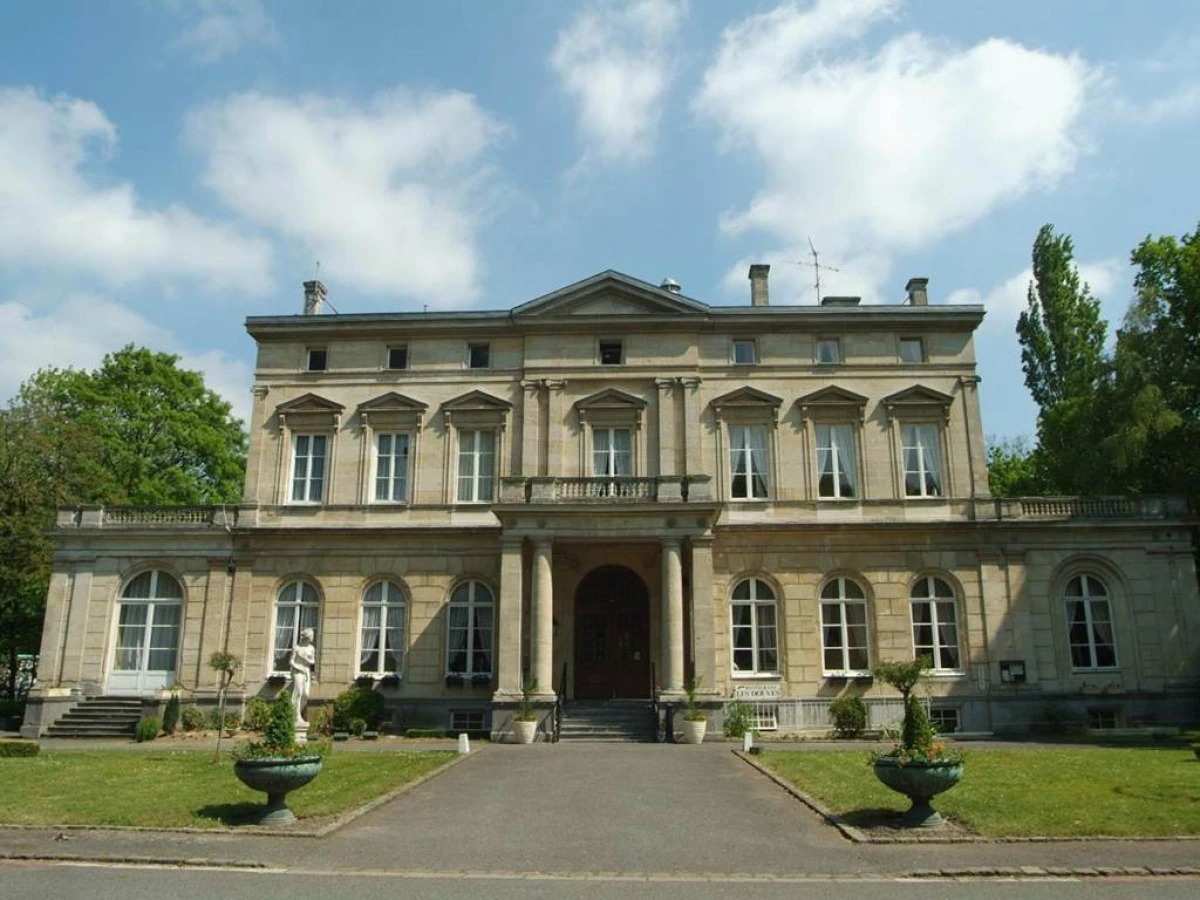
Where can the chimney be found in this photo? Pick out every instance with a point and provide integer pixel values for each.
(918, 291)
(758, 284)
(314, 298)
(670, 284)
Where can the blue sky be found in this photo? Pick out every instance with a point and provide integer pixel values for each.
(167, 168)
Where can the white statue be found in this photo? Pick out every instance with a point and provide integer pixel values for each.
(303, 662)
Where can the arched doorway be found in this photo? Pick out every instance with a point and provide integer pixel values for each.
(612, 635)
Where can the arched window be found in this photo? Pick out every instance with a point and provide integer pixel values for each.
(148, 624)
(469, 635)
(754, 629)
(935, 623)
(844, 637)
(383, 640)
(297, 607)
(1090, 624)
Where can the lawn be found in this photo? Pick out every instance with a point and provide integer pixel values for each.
(183, 788)
(1019, 793)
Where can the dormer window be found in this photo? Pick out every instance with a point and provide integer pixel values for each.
(318, 359)
(612, 353)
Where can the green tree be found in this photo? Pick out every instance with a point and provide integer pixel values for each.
(137, 430)
(1013, 469)
(1157, 365)
(1062, 354)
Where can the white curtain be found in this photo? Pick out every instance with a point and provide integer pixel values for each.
(459, 632)
(393, 655)
(622, 452)
(600, 452)
(368, 659)
(756, 439)
(842, 440)
(933, 460)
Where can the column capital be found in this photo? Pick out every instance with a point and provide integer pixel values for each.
(543, 544)
(508, 543)
(665, 384)
(672, 543)
(555, 384)
(531, 386)
(691, 382)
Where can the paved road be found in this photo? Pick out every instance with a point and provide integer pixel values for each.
(38, 882)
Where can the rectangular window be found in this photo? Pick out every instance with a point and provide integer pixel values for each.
(479, 356)
(837, 462)
(755, 650)
(745, 353)
(466, 720)
(397, 357)
(945, 719)
(1090, 630)
(308, 467)
(476, 466)
(317, 359)
(391, 468)
(912, 350)
(612, 452)
(922, 461)
(844, 638)
(748, 462)
(611, 353)
(829, 350)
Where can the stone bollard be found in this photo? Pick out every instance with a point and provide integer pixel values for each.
(464, 745)
(747, 741)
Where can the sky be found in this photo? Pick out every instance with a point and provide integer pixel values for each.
(168, 167)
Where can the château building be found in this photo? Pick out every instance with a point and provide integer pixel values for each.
(615, 488)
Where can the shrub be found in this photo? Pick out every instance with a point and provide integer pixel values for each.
(358, 726)
(849, 714)
(258, 713)
(12, 709)
(357, 703)
(13, 749)
(739, 719)
(320, 720)
(1058, 719)
(147, 729)
(232, 722)
(425, 733)
(192, 718)
(171, 715)
(281, 726)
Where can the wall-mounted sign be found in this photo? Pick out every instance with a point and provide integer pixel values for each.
(770, 691)
(1012, 671)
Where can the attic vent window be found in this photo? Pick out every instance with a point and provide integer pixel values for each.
(318, 358)
(478, 356)
(397, 358)
(611, 353)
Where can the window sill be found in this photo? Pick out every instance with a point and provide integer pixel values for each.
(1110, 670)
(947, 673)
(847, 675)
(840, 501)
(756, 676)
(927, 498)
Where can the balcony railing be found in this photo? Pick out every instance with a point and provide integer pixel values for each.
(185, 517)
(621, 489)
(1092, 507)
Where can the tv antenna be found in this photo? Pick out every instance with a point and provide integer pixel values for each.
(817, 266)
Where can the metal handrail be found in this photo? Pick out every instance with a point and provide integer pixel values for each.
(558, 704)
(654, 701)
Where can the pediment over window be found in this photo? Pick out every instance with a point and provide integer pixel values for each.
(612, 405)
(309, 411)
(392, 409)
(832, 400)
(476, 406)
(918, 400)
(611, 293)
(747, 401)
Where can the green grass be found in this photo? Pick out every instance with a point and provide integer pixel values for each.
(1017, 793)
(183, 788)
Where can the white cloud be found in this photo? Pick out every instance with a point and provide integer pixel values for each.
(388, 197)
(56, 214)
(1181, 103)
(889, 150)
(617, 63)
(220, 28)
(78, 333)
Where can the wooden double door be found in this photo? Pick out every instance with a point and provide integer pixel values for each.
(612, 635)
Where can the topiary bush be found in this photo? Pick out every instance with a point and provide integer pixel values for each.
(13, 749)
(357, 703)
(739, 719)
(147, 729)
(280, 732)
(258, 713)
(171, 715)
(849, 714)
(192, 718)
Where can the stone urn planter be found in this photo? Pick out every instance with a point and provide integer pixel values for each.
(277, 778)
(920, 782)
(693, 731)
(525, 730)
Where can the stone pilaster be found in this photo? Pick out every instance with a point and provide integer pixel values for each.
(666, 425)
(704, 648)
(531, 427)
(557, 430)
(508, 651)
(694, 452)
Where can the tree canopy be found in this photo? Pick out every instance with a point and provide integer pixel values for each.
(137, 430)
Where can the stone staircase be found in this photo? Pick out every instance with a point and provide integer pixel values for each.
(608, 720)
(99, 717)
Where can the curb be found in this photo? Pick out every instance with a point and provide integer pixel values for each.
(859, 836)
(328, 828)
(148, 861)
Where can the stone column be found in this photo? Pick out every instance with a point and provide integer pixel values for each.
(666, 425)
(508, 654)
(672, 617)
(542, 633)
(704, 644)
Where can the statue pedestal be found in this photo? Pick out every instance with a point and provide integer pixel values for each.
(301, 732)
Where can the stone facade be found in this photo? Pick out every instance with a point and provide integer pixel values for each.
(615, 488)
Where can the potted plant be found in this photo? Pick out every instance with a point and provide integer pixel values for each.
(525, 722)
(695, 720)
(277, 765)
(919, 766)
